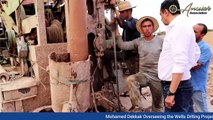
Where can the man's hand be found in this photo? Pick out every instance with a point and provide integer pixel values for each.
(117, 13)
(199, 64)
(169, 101)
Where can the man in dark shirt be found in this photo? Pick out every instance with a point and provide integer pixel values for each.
(128, 23)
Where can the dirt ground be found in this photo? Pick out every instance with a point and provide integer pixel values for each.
(147, 94)
(210, 88)
(209, 39)
(147, 98)
(210, 95)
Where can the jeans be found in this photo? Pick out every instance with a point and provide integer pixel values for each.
(182, 98)
(199, 100)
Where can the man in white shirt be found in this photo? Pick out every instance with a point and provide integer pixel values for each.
(179, 54)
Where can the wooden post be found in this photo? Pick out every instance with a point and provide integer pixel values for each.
(41, 28)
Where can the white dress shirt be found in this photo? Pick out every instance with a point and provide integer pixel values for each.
(180, 51)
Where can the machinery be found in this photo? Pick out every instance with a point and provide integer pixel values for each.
(26, 83)
(39, 73)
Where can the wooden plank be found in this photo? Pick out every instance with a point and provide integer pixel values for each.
(23, 82)
(25, 98)
(19, 106)
(20, 93)
(9, 107)
(26, 2)
(29, 23)
(41, 28)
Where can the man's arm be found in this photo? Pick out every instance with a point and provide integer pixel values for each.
(127, 45)
(176, 78)
(119, 18)
(125, 24)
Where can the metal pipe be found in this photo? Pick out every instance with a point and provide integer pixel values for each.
(4, 76)
(77, 43)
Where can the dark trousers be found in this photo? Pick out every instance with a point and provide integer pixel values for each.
(183, 96)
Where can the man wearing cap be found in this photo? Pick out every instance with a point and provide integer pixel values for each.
(149, 47)
(179, 54)
(128, 23)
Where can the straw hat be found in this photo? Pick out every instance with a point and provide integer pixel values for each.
(125, 5)
(138, 24)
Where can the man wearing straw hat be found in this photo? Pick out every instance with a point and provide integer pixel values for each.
(128, 23)
(149, 47)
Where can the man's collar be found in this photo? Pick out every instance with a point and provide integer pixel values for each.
(174, 21)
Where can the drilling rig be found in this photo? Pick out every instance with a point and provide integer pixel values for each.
(61, 76)
(52, 56)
